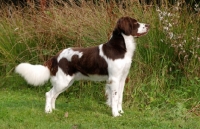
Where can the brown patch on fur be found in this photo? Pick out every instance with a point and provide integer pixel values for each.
(115, 48)
(127, 25)
(89, 63)
(67, 67)
(52, 64)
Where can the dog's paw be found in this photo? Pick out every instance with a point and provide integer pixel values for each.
(121, 111)
(116, 114)
(119, 107)
(48, 109)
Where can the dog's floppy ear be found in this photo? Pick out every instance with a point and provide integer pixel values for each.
(124, 25)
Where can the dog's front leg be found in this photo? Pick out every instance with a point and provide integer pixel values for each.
(108, 95)
(114, 85)
(120, 95)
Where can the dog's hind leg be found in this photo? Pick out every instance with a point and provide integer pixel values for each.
(60, 84)
(56, 95)
(53, 94)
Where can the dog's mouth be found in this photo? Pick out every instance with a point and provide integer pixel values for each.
(141, 34)
(144, 33)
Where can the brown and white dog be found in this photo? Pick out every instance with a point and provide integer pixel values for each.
(108, 62)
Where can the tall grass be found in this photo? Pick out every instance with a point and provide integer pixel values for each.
(165, 69)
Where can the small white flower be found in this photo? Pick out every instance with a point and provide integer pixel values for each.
(186, 58)
(197, 9)
(178, 3)
(171, 35)
(16, 29)
(164, 13)
(160, 17)
(158, 9)
(198, 39)
(177, 8)
(170, 25)
(165, 28)
(192, 52)
(166, 21)
(170, 69)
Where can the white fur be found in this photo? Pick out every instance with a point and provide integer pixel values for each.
(68, 53)
(34, 74)
(142, 28)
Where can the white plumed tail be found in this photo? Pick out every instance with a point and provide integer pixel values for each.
(35, 75)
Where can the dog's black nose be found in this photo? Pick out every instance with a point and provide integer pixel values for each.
(147, 25)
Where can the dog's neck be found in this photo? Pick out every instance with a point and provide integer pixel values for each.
(123, 43)
(130, 45)
(118, 41)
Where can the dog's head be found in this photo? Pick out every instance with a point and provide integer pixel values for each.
(130, 26)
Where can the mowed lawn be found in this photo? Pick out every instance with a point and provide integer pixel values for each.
(22, 107)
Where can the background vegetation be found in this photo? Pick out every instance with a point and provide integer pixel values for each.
(163, 90)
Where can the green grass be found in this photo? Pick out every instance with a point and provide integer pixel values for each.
(22, 106)
(164, 81)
